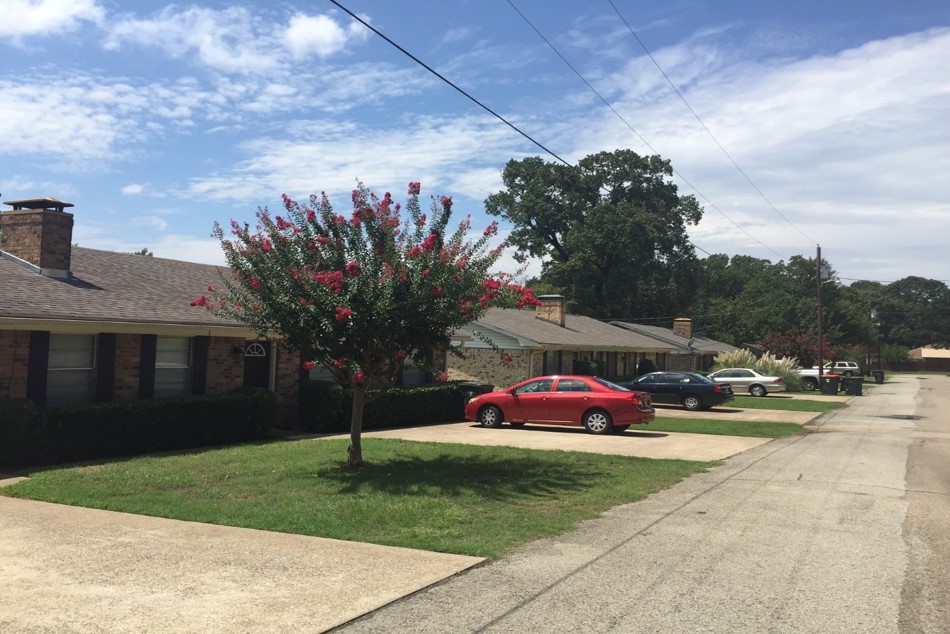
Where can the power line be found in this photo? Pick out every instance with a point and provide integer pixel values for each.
(639, 136)
(851, 279)
(508, 123)
(703, 124)
(440, 76)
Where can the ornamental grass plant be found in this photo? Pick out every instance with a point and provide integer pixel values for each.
(767, 364)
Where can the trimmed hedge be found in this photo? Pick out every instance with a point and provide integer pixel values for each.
(127, 428)
(326, 407)
(21, 432)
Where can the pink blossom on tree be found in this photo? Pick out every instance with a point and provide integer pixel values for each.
(361, 296)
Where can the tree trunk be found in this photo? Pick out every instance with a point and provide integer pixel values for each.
(355, 451)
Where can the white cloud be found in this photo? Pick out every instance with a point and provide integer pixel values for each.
(54, 121)
(320, 35)
(272, 98)
(23, 18)
(133, 189)
(508, 264)
(189, 249)
(84, 122)
(847, 146)
(17, 186)
(150, 222)
(330, 155)
(228, 40)
(235, 40)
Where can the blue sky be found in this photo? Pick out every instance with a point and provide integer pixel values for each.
(156, 120)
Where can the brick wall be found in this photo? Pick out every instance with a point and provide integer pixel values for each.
(128, 354)
(287, 382)
(40, 236)
(485, 366)
(14, 353)
(225, 368)
(538, 363)
(682, 362)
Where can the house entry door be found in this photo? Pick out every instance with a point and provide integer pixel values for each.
(257, 364)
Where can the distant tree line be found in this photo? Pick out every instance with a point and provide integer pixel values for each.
(612, 235)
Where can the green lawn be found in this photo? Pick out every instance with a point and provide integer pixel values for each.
(723, 427)
(464, 499)
(777, 402)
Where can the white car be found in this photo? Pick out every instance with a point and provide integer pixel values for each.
(846, 368)
(751, 381)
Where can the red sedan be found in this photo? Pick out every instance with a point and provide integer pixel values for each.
(596, 404)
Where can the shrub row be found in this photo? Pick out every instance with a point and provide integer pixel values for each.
(20, 432)
(326, 407)
(29, 436)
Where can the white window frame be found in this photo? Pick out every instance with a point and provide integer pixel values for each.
(71, 381)
(173, 377)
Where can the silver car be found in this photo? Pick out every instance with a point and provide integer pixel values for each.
(746, 379)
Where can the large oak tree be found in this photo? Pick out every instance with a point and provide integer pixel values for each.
(611, 231)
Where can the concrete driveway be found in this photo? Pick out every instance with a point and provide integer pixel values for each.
(67, 569)
(636, 441)
(639, 440)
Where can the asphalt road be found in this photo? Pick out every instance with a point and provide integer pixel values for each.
(925, 605)
(843, 530)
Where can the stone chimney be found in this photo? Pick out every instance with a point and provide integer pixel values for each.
(683, 326)
(551, 309)
(38, 234)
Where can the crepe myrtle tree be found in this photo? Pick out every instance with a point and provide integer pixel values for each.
(361, 294)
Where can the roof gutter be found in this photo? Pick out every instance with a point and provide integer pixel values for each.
(92, 327)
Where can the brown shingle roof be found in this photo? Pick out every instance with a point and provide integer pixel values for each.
(581, 333)
(697, 344)
(108, 286)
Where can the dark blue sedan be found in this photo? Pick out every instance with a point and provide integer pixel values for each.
(692, 391)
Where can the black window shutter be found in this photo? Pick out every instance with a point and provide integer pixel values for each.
(38, 367)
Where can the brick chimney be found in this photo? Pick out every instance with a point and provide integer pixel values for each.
(551, 309)
(38, 234)
(683, 326)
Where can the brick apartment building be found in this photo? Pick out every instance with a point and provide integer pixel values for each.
(548, 340)
(80, 325)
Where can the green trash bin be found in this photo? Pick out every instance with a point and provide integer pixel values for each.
(829, 384)
(853, 386)
(878, 376)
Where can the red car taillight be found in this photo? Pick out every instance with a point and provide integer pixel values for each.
(639, 399)
(717, 388)
(779, 380)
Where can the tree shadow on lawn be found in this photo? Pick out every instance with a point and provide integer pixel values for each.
(489, 477)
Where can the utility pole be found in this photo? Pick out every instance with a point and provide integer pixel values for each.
(818, 286)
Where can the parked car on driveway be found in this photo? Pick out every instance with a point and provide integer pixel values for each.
(598, 405)
(689, 389)
(749, 380)
(809, 376)
(847, 368)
